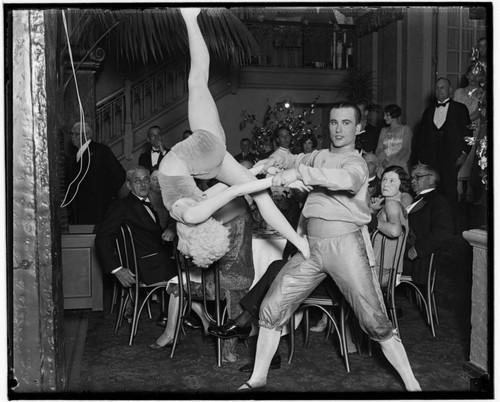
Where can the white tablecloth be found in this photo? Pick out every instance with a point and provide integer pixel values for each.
(266, 247)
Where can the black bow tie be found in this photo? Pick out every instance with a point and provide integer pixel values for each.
(147, 203)
(155, 151)
(418, 198)
(443, 104)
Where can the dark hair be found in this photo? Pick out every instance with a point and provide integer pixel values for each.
(444, 79)
(347, 105)
(404, 177)
(394, 111)
(281, 128)
(245, 139)
(153, 128)
(429, 169)
(306, 137)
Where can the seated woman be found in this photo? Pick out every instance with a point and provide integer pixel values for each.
(203, 155)
(392, 217)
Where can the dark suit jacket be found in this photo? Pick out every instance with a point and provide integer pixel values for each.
(431, 225)
(249, 157)
(100, 185)
(368, 139)
(433, 146)
(145, 160)
(154, 261)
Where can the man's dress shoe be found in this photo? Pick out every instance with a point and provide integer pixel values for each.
(162, 320)
(230, 330)
(275, 364)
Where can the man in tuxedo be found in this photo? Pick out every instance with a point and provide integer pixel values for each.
(430, 221)
(440, 142)
(93, 175)
(154, 261)
(246, 154)
(152, 157)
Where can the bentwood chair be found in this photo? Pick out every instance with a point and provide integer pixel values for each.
(428, 300)
(391, 255)
(186, 299)
(125, 247)
(328, 305)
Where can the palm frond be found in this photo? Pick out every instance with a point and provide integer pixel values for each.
(145, 35)
(358, 85)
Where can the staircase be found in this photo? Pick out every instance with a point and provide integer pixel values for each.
(158, 98)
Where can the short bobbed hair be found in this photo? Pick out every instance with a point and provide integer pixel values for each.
(404, 177)
(311, 137)
(394, 111)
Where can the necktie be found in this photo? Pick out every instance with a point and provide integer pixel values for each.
(442, 104)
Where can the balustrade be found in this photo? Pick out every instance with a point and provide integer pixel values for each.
(139, 101)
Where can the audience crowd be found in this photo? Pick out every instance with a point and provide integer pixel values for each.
(378, 175)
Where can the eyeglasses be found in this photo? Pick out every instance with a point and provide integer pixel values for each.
(417, 177)
(138, 181)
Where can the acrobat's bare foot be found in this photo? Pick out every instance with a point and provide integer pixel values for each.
(414, 386)
(190, 12)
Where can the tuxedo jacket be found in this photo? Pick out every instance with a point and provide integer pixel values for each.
(251, 157)
(100, 185)
(434, 146)
(431, 224)
(145, 160)
(154, 261)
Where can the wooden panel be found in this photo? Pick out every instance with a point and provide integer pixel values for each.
(82, 276)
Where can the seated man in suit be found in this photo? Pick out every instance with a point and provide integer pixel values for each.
(152, 157)
(430, 222)
(155, 264)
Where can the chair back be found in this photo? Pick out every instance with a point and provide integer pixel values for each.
(125, 248)
(391, 255)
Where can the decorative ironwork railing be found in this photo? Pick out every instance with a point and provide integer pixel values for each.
(139, 101)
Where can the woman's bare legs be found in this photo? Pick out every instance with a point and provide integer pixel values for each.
(267, 344)
(173, 309)
(202, 111)
(233, 173)
(395, 352)
(198, 309)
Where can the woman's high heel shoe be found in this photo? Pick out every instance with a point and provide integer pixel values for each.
(169, 344)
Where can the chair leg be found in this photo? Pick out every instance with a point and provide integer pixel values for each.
(218, 313)
(307, 322)
(291, 323)
(121, 309)
(343, 335)
(114, 297)
(133, 329)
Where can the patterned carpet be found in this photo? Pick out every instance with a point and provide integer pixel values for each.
(113, 370)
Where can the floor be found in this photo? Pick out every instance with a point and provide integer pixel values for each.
(111, 369)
